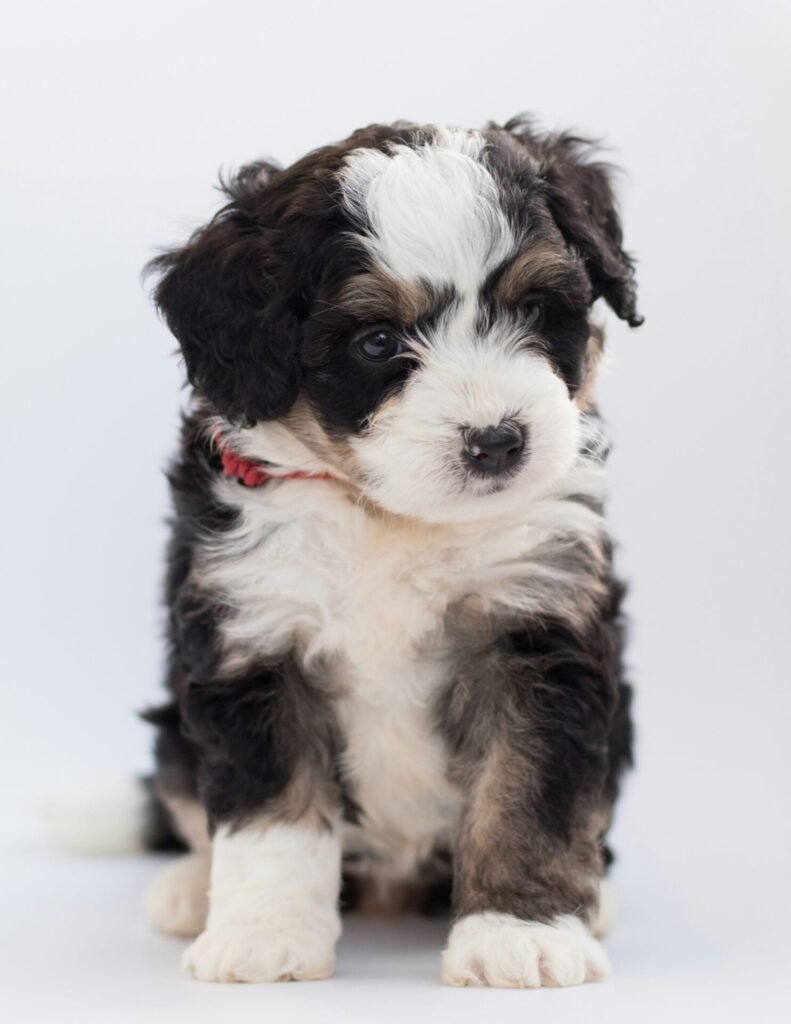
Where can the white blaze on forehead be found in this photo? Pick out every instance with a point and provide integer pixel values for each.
(433, 212)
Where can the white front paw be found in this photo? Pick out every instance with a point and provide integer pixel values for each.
(502, 951)
(259, 953)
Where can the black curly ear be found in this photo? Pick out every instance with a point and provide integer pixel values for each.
(239, 338)
(582, 201)
(580, 195)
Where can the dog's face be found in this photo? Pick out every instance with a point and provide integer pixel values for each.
(413, 304)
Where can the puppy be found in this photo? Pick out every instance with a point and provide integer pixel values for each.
(394, 637)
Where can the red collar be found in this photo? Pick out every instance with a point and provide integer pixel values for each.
(253, 473)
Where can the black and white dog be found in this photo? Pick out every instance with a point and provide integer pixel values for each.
(394, 629)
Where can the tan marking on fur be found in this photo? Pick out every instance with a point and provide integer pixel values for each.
(376, 896)
(491, 856)
(376, 295)
(302, 422)
(487, 811)
(386, 898)
(189, 818)
(541, 266)
(308, 799)
(486, 819)
(586, 396)
(304, 800)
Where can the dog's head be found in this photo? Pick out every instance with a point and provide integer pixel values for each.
(414, 304)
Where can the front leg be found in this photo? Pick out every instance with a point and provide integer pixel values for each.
(266, 755)
(531, 727)
(273, 904)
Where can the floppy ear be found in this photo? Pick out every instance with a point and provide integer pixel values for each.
(581, 199)
(220, 298)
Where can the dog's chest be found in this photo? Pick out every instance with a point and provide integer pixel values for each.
(363, 605)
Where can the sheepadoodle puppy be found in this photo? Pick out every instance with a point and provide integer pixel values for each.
(394, 637)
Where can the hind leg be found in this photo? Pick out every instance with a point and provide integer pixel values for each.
(177, 901)
(604, 918)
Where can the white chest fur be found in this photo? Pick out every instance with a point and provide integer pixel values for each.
(364, 600)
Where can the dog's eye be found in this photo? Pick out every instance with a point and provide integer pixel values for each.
(378, 345)
(533, 313)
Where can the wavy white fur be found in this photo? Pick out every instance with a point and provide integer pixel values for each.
(411, 455)
(430, 213)
(500, 951)
(273, 905)
(108, 818)
(308, 570)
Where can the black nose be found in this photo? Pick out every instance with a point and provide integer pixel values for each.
(494, 450)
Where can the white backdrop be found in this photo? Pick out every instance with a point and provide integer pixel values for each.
(116, 120)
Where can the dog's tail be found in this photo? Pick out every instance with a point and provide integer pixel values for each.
(124, 817)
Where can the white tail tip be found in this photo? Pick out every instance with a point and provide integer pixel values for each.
(107, 819)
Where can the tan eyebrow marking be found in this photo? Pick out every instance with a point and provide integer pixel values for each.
(376, 295)
(542, 266)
